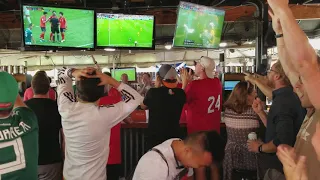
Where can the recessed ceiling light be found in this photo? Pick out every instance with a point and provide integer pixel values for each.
(109, 49)
(223, 44)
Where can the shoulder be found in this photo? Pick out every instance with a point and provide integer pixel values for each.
(25, 114)
(151, 166)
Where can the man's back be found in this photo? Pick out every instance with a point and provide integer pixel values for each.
(204, 101)
(49, 121)
(164, 109)
(19, 145)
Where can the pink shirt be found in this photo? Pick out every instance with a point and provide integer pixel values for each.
(28, 94)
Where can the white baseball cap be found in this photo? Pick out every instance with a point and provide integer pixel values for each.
(208, 64)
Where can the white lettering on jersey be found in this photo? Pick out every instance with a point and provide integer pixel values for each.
(19, 161)
(215, 104)
(24, 126)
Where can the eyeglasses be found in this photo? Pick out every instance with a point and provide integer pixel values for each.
(270, 70)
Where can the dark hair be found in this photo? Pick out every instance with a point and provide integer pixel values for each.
(50, 80)
(237, 100)
(30, 25)
(40, 83)
(61, 13)
(45, 12)
(107, 73)
(147, 74)
(88, 89)
(209, 141)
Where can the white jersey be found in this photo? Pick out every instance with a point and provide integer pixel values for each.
(87, 129)
(151, 166)
(26, 11)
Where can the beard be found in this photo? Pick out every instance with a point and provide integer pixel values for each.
(270, 83)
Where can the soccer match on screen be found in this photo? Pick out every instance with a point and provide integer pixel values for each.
(198, 26)
(62, 27)
(119, 30)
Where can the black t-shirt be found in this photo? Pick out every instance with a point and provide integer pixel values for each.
(49, 121)
(54, 22)
(164, 111)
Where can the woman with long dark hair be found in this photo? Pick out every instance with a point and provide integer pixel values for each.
(240, 120)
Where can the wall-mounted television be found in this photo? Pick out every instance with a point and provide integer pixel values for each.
(229, 85)
(130, 71)
(57, 27)
(125, 31)
(198, 26)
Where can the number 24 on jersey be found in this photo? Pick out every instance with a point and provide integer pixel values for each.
(214, 104)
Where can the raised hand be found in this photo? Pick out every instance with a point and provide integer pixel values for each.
(257, 105)
(276, 25)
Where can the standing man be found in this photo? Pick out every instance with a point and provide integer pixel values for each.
(165, 104)
(54, 27)
(87, 125)
(28, 35)
(146, 84)
(43, 21)
(283, 121)
(203, 105)
(18, 134)
(50, 129)
(27, 13)
(63, 25)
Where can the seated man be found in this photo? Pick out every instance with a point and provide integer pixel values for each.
(87, 125)
(171, 159)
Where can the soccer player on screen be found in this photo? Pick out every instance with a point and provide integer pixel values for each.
(63, 25)
(43, 21)
(28, 35)
(27, 13)
(203, 106)
(54, 28)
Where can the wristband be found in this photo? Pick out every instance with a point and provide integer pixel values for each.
(278, 36)
(260, 149)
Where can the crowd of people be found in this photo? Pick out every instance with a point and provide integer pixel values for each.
(72, 133)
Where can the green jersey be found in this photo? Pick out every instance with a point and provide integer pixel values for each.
(19, 146)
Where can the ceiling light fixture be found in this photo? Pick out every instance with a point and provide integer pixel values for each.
(168, 46)
(223, 44)
(110, 49)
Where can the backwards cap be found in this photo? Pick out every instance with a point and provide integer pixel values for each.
(168, 75)
(209, 65)
(8, 91)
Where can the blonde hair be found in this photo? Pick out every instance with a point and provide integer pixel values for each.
(278, 68)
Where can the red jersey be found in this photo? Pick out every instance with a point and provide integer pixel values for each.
(113, 97)
(204, 104)
(63, 22)
(43, 20)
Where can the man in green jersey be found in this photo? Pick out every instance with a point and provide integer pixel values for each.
(18, 134)
(28, 38)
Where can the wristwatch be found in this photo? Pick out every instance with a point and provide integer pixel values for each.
(278, 35)
(260, 149)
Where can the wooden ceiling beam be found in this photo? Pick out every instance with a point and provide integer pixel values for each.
(168, 16)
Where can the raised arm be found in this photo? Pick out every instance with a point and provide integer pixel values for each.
(118, 112)
(302, 55)
(266, 90)
(65, 92)
(287, 65)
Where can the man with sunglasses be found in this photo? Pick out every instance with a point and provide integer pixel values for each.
(165, 103)
(282, 122)
(203, 106)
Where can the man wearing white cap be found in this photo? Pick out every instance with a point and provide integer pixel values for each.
(204, 100)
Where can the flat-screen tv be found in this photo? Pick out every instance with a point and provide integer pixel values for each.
(229, 85)
(130, 71)
(125, 31)
(198, 26)
(57, 27)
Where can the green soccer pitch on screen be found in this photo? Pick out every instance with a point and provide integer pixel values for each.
(125, 31)
(58, 27)
(198, 26)
(131, 72)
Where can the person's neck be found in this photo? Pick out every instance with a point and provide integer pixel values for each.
(46, 96)
(279, 86)
(178, 148)
(203, 75)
